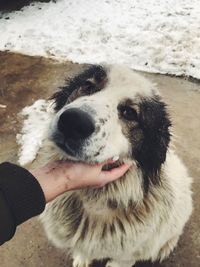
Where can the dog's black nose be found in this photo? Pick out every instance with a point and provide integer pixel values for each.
(76, 124)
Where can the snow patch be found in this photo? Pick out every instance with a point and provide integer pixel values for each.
(34, 130)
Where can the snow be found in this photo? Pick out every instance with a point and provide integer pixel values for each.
(161, 36)
(37, 118)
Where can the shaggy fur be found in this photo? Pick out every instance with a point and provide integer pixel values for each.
(108, 112)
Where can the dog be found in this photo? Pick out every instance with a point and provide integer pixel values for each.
(112, 112)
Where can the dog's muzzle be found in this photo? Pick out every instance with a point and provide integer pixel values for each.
(74, 127)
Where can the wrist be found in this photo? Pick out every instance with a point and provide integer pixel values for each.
(50, 185)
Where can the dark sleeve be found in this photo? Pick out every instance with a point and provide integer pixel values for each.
(21, 198)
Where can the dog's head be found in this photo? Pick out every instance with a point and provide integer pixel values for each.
(110, 112)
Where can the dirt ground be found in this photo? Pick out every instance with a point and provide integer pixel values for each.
(24, 79)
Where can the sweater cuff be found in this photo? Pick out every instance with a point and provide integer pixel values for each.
(22, 192)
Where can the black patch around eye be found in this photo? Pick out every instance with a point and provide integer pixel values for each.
(154, 122)
(93, 72)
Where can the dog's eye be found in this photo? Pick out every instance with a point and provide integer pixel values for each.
(128, 113)
(88, 87)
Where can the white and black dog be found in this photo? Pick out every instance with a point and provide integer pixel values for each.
(106, 113)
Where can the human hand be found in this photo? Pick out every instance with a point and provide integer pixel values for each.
(57, 177)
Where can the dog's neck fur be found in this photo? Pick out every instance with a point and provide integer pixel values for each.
(126, 196)
(123, 193)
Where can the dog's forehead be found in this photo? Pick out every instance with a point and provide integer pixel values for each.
(126, 83)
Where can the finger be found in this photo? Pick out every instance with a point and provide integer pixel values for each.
(115, 173)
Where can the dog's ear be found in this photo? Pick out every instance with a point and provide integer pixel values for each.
(154, 123)
(92, 79)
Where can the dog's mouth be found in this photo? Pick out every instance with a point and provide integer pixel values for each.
(109, 165)
(112, 165)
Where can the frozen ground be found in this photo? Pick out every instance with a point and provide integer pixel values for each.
(160, 36)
